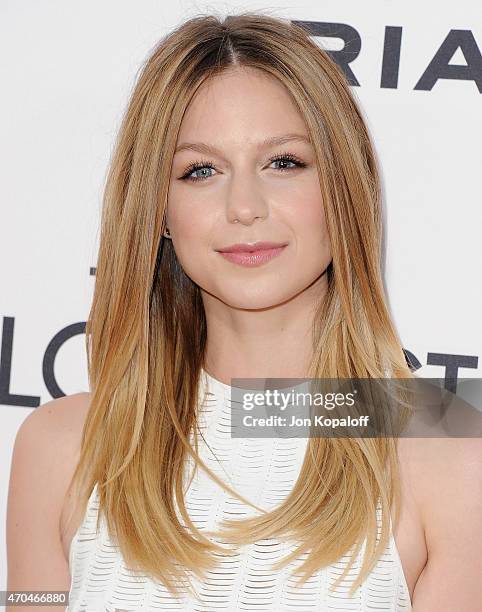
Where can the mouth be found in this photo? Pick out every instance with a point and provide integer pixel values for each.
(254, 254)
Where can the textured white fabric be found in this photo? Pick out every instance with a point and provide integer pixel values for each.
(264, 471)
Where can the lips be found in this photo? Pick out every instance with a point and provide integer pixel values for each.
(251, 247)
(252, 255)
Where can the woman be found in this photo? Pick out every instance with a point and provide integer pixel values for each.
(241, 131)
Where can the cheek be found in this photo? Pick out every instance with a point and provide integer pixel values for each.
(308, 222)
(189, 221)
(191, 229)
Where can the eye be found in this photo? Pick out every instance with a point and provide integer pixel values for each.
(194, 167)
(202, 165)
(288, 157)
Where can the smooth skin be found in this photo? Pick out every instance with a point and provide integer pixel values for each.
(265, 313)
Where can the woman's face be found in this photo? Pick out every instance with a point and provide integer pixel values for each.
(240, 194)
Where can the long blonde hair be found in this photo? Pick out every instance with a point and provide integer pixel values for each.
(146, 331)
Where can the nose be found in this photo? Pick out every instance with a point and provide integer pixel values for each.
(245, 202)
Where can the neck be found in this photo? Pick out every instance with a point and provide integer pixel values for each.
(273, 342)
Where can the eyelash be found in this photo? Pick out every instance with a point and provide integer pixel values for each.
(207, 164)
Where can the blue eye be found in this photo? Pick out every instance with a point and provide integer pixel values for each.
(201, 165)
(194, 167)
(287, 158)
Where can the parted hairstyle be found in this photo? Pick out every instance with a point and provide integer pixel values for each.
(146, 331)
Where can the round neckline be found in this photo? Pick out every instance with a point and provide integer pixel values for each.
(217, 386)
(223, 389)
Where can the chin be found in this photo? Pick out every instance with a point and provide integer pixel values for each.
(255, 299)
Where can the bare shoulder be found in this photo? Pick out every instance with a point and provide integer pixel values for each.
(448, 469)
(51, 434)
(45, 454)
(446, 480)
(63, 414)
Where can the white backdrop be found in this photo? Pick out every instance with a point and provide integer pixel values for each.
(67, 69)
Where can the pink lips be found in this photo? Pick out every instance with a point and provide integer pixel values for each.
(252, 255)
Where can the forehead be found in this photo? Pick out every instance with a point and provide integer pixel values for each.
(241, 104)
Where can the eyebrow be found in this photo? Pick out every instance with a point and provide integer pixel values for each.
(272, 141)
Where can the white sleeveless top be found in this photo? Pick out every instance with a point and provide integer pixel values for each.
(263, 470)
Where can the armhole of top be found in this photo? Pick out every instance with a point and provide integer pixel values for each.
(73, 543)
